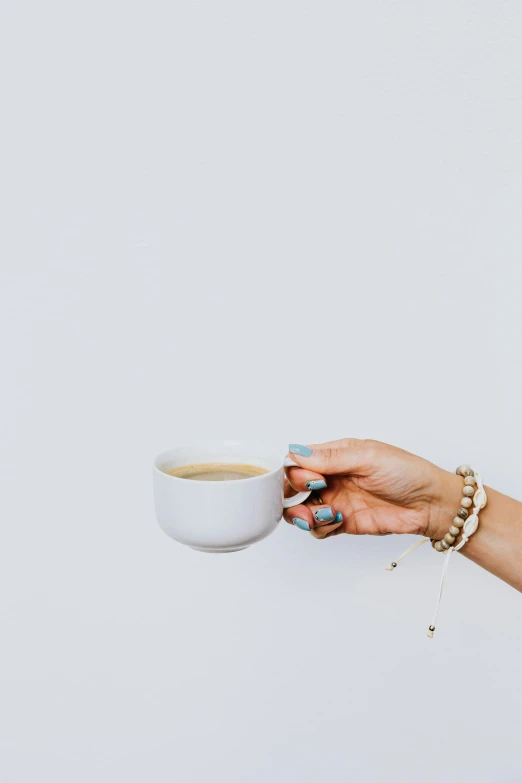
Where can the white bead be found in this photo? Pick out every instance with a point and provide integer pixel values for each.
(462, 470)
(468, 492)
(466, 502)
(470, 525)
(470, 481)
(458, 521)
(454, 530)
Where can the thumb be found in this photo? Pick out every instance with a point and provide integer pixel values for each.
(349, 455)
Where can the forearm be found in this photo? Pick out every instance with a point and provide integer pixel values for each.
(497, 543)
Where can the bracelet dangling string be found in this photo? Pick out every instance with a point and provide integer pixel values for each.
(431, 629)
(410, 549)
(468, 522)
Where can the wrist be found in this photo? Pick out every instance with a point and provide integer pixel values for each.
(447, 492)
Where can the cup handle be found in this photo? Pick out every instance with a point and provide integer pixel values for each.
(295, 500)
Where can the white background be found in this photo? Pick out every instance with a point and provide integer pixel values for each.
(288, 220)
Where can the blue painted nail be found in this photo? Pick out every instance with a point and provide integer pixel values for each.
(339, 517)
(302, 524)
(324, 515)
(319, 484)
(297, 448)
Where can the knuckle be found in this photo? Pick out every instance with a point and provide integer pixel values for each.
(372, 450)
(350, 443)
(330, 455)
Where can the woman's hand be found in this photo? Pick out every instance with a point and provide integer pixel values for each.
(366, 487)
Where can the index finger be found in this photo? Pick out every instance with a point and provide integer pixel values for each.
(300, 478)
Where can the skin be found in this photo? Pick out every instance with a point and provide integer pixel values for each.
(380, 489)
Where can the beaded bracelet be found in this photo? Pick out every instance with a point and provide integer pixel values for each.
(461, 520)
(464, 523)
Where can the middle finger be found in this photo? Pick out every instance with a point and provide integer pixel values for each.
(301, 479)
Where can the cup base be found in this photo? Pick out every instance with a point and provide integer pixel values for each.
(219, 550)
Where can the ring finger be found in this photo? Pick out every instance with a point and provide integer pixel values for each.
(313, 516)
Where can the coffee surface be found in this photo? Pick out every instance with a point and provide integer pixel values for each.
(217, 471)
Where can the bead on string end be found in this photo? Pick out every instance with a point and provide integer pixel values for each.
(391, 567)
(431, 631)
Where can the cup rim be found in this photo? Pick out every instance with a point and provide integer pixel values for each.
(202, 444)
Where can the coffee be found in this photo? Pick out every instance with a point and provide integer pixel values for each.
(217, 471)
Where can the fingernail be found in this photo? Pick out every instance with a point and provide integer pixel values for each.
(324, 515)
(339, 517)
(302, 524)
(319, 484)
(297, 448)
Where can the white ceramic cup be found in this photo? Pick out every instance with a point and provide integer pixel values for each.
(221, 516)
